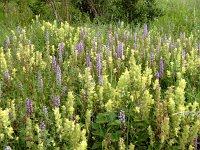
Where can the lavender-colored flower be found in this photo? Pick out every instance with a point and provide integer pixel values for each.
(122, 116)
(23, 31)
(196, 142)
(42, 125)
(20, 86)
(199, 48)
(29, 42)
(99, 48)
(54, 66)
(45, 110)
(80, 48)
(7, 42)
(181, 35)
(120, 50)
(10, 115)
(165, 38)
(29, 107)
(145, 30)
(157, 49)
(40, 82)
(47, 36)
(157, 75)
(186, 18)
(151, 58)
(88, 62)
(183, 53)
(18, 29)
(175, 44)
(170, 46)
(161, 73)
(8, 148)
(7, 75)
(58, 75)
(100, 80)
(99, 65)
(108, 48)
(57, 101)
(134, 46)
(60, 51)
(64, 89)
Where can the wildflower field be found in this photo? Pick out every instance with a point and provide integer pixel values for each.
(99, 87)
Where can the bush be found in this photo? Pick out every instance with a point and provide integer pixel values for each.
(127, 10)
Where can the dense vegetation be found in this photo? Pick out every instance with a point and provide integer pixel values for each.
(91, 84)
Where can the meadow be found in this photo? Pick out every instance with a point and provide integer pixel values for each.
(106, 86)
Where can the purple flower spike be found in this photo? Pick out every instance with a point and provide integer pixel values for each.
(122, 116)
(61, 47)
(186, 18)
(7, 75)
(161, 73)
(47, 36)
(181, 35)
(29, 107)
(88, 62)
(196, 143)
(57, 102)
(20, 86)
(7, 42)
(99, 65)
(40, 82)
(199, 48)
(151, 58)
(157, 75)
(165, 38)
(170, 46)
(99, 48)
(80, 48)
(184, 53)
(42, 125)
(45, 110)
(100, 80)
(10, 115)
(18, 29)
(58, 75)
(54, 66)
(8, 148)
(134, 46)
(108, 48)
(145, 30)
(120, 50)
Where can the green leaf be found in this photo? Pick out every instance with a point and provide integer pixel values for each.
(115, 136)
(97, 145)
(106, 117)
(115, 123)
